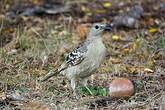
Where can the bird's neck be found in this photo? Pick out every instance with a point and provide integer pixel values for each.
(97, 41)
(91, 37)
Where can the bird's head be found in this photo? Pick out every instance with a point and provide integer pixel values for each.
(98, 28)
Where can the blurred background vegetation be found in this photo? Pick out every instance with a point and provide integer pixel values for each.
(35, 36)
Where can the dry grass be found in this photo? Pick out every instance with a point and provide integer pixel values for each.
(39, 44)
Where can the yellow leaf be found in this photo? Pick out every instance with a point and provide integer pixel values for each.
(134, 47)
(126, 50)
(89, 13)
(151, 63)
(8, 30)
(85, 9)
(153, 30)
(132, 69)
(100, 11)
(115, 37)
(147, 70)
(37, 2)
(115, 61)
(107, 4)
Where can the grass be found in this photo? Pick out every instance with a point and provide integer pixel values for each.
(38, 50)
(22, 73)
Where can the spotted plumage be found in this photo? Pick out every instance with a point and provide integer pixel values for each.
(77, 55)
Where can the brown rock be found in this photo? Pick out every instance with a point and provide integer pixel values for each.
(121, 87)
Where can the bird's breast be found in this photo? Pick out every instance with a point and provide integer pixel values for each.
(97, 52)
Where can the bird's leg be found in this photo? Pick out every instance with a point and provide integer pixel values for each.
(73, 86)
(83, 82)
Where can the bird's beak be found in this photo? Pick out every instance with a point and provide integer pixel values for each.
(107, 27)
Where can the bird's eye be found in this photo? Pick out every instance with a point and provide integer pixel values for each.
(96, 27)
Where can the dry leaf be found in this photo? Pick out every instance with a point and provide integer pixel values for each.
(37, 2)
(131, 69)
(149, 21)
(8, 30)
(137, 69)
(153, 30)
(86, 10)
(107, 4)
(116, 37)
(115, 60)
(100, 11)
(82, 30)
(128, 48)
(147, 70)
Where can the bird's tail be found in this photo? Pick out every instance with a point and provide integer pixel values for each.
(51, 74)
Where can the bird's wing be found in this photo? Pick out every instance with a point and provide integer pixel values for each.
(74, 58)
(77, 55)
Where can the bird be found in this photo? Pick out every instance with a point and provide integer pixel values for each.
(83, 60)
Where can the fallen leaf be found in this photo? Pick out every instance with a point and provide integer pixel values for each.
(115, 61)
(37, 2)
(147, 70)
(131, 69)
(7, 30)
(138, 69)
(99, 11)
(153, 30)
(82, 30)
(116, 37)
(86, 10)
(149, 21)
(128, 48)
(107, 4)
